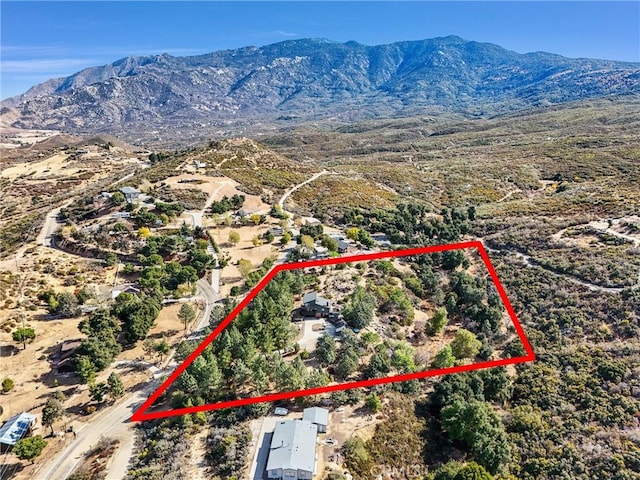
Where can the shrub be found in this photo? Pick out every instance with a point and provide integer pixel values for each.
(7, 385)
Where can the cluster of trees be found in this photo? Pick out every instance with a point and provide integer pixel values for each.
(394, 302)
(164, 447)
(128, 321)
(358, 312)
(228, 450)
(136, 314)
(226, 204)
(247, 356)
(277, 212)
(361, 236)
(144, 218)
(169, 209)
(460, 471)
(408, 224)
(157, 157)
(63, 304)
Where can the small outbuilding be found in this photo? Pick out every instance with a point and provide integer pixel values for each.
(318, 416)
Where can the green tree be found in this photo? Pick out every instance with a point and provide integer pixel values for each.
(465, 344)
(326, 349)
(436, 324)
(286, 238)
(378, 366)
(365, 239)
(444, 358)
(24, 335)
(97, 391)
(475, 424)
(353, 233)
(244, 266)
(67, 305)
(330, 243)
(186, 314)
(358, 313)
(473, 471)
(51, 412)
(356, 455)
(373, 403)
(29, 448)
(115, 387)
(234, 237)
(347, 364)
(86, 369)
(307, 243)
(110, 259)
(117, 198)
(7, 385)
(161, 348)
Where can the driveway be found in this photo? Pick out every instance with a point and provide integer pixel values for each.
(310, 336)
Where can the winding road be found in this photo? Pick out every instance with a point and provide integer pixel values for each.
(300, 185)
(531, 262)
(113, 422)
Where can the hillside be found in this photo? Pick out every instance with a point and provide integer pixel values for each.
(165, 99)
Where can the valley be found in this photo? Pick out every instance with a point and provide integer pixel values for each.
(553, 193)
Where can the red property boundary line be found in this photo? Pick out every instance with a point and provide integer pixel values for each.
(140, 415)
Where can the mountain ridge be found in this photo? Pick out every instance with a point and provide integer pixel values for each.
(265, 88)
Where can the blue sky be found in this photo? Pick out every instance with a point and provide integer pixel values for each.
(42, 40)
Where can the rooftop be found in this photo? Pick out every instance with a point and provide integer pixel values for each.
(314, 297)
(15, 428)
(293, 446)
(317, 415)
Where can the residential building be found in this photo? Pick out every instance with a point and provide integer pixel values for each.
(292, 454)
(321, 252)
(17, 427)
(63, 361)
(343, 246)
(315, 305)
(131, 194)
(318, 416)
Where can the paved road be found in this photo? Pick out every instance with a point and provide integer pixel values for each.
(113, 422)
(210, 297)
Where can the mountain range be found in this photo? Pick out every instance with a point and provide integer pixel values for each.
(162, 97)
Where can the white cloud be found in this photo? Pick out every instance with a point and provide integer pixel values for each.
(281, 33)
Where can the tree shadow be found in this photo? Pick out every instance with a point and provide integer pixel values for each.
(9, 470)
(8, 350)
(166, 333)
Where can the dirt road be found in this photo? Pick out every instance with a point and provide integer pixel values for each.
(300, 185)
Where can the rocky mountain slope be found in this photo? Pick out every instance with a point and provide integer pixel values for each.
(258, 89)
